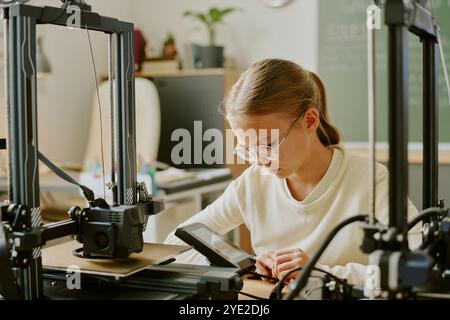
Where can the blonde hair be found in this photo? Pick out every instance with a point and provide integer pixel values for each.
(281, 86)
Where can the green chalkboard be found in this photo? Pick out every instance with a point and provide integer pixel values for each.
(343, 67)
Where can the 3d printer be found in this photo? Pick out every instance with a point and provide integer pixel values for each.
(106, 231)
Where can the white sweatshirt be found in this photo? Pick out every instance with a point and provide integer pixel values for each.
(278, 221)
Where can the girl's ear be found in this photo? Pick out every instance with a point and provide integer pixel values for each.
(312, 118)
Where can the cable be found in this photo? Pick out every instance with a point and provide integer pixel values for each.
(99, 109)
(64, 8)
(250, 295)
(261, 275)
(427, 213)
(7, 105)
(441, 51)
(276, 292)
(444, 64)
(112, 110)
(309, 291)
(79, 254)
(332, 276)
(301, 282)
(432, 8)
(371, 94)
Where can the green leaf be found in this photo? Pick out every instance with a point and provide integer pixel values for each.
(218, 14)
(202, 17)
(199, 16)
(210, 19)
(214, 13)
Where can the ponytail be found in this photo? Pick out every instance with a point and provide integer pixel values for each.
(328, 134)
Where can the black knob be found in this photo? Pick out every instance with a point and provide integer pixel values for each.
(74, 213)
(2, 144)
(238, 283)
(101, 240)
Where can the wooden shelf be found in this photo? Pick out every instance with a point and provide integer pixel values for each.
(183, 73)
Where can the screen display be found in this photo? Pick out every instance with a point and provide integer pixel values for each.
(218, 243)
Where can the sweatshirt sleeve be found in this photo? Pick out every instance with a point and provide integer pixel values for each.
(222, 216)
(355, 273)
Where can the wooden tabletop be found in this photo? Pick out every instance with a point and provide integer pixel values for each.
(257, 288)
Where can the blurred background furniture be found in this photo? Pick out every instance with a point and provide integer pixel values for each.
(184, 194)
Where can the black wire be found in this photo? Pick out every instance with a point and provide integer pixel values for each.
(99, 109)
(79, 254)
(427, 213)
(250, 295)
(64, 8)
(276, 292)
(300, 284)
(332, 276)
(261, 275)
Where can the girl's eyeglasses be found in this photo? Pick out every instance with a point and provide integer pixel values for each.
(264, 153)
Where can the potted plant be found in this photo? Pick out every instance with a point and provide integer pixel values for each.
(170, 49)
(210, 56)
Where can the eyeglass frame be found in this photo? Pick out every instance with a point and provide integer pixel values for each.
(268, 146)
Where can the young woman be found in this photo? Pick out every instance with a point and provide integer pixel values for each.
(313, 186)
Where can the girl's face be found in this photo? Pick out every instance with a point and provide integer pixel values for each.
(293, 152)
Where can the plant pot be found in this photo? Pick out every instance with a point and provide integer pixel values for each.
(210, 57)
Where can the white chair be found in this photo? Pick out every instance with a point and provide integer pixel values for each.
(148, 124)
(148, 121)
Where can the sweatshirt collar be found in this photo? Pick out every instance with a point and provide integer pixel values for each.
(331, 176)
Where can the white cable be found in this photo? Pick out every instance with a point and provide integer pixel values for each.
(112, 84)
(444, 63)
(372, 117)
(99, 109)
(7, 104)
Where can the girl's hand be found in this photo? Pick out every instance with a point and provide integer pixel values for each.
(288, 260)
(264, 264)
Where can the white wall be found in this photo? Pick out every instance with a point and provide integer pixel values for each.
(64, 97)
(254, 33)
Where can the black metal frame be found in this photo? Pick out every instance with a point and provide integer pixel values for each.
(21, 22)
(402, 17)
(400, 269)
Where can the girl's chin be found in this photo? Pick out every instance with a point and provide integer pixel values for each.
(272, 171)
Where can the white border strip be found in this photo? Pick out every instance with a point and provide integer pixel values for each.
(384, 146)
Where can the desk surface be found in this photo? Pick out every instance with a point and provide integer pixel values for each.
(49, 182)
(257, 288)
